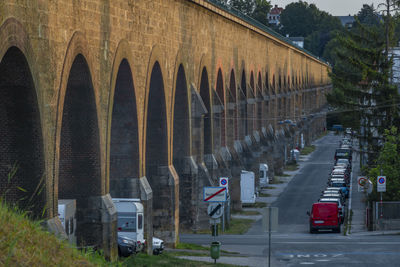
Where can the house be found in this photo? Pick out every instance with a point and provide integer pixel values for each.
(274, 16)
(347, 21)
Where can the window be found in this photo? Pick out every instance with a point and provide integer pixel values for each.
(140, 221)
(126, 221)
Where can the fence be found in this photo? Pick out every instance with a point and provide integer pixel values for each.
(386, 215)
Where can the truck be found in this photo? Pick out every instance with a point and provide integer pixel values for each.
(130, 223)
(247, 187)
(67, 215)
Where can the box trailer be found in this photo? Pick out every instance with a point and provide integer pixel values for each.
(247, 187)
(67, 215)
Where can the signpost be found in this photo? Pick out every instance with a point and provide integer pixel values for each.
(381, 187)
(214, 194)
(381, 184)
(361, 181)
(270, 223)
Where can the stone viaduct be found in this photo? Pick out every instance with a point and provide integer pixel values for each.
(145, 99)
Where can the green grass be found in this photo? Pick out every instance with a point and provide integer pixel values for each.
(268, 187)
(165, 259)
(307, 150)
(239, 226)
(190, 246)
(255, 205)
(246, 212)
(264, 195)
(292, 167)
(24, 242)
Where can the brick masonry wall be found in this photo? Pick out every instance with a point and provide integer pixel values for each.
(172, 32)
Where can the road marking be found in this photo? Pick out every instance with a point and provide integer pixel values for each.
(307, 263)
(322, 260)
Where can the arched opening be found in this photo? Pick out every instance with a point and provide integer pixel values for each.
(267, 110)
(221, 95)
(124, 144)
(252, 116)
(260, 102)
(205, 96)
(234, 116)
(243, 107)
(181, 149)
(79, 167)
(21, 142)
(157, 170)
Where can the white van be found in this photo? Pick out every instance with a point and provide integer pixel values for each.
(264, 179)
(130, 223)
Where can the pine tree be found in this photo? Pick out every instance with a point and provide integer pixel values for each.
(361, 82)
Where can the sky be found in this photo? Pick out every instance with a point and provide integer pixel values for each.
(334, 7)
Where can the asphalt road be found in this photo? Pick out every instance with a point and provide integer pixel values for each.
(305, 188)
(292, 244)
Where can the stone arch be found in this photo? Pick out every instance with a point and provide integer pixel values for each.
(181, 146)
(206, 97)
(79, 166)
(251, 110)
(21, 140)
(220, 90)
(124, 154)
(243, 106)
(233, 133)
(260, 102)
(161, 175)
(15, 42)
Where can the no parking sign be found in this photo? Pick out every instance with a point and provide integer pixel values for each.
(381, 183)
(224, 181)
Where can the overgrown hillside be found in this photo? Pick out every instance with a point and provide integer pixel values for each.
(25, 243)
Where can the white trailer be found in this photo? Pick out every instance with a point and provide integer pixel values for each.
(67, 215)
(247, 187)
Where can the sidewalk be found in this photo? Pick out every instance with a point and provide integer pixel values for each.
(357, 201)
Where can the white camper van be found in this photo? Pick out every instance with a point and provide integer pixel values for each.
(264, 179)
(247, 187)
(131, 223)
(67, 215)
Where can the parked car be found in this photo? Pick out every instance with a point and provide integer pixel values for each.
(324, 216)
(126, 246)
(343, 153)
(158, 246)
(342, 185)
(335, 194)
(339, 204)
(343, 161)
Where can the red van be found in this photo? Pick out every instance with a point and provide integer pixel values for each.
(324, 216)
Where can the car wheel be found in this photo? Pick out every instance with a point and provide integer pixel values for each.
(312, 230)
(156, 252)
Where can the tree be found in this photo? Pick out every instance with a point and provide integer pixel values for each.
(361, 87)
(316, 26)
(244, 6)
(388, 164)
(261, 10)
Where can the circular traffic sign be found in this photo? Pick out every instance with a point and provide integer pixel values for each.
(215, 210)
(381, 180)
(224, 181)
(362, 181)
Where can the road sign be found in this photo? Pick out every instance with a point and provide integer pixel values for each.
(381, 184)
(224, 181)
(361, 181)
(215, 210)
(214, 194)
